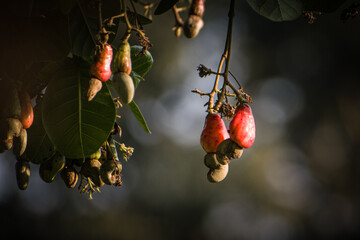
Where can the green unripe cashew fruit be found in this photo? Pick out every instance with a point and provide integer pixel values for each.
(228, 150)
(217, 175)
(124, 86)
(70, 176)
(96, 155)
(51, 167)
(110, 172)
(22, 174)
(210, 161)
(91, 169)
(122, 59)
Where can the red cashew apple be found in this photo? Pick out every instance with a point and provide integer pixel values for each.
(197, 8)
(27, 111)
(242, 126)
(214, 133)
(101, 67)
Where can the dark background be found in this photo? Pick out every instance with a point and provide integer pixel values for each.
(300, 180)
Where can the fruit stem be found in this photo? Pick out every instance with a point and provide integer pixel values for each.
(178, 20)
(128, 25)
(100, 15)
(226, 56)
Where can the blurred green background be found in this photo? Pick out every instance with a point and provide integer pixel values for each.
(300, 180)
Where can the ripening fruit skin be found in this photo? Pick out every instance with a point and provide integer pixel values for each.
(122, 59)
(214, 133)
(197, 8)
(27, 111)
(124, 86)
(22, 174)
(101, 67)
(242, 126)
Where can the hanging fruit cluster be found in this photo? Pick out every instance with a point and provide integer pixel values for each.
(100, 70)
(222, 147)
(193, 23)
(74, 133)
(220, 144)
(121, 67)
(16, 116)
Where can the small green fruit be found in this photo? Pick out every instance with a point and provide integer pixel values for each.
(51, 167)
(124, 86)
(96, 155)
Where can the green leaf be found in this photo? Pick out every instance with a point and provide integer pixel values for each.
(136, 78)
(132, 18)
(138, 115)
(141, 64)
(77, 127)
(82, 31)
(278, 10)
(39, 147)
(164, 6)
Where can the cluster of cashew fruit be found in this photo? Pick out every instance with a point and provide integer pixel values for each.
(222, 145)
(102, 167)
(105, 65)
(194, 22)
(16, 116)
